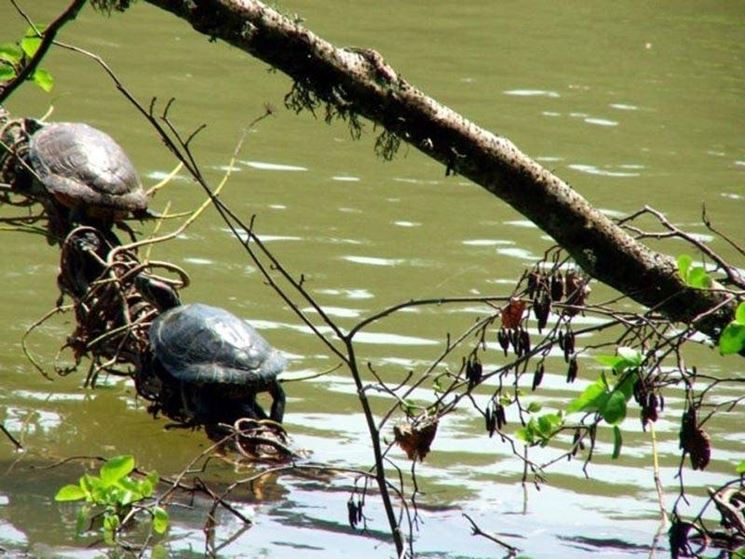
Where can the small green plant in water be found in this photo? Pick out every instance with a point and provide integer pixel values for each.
(112, 495)
(15, 56)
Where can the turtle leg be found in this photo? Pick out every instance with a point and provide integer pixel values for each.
(278, 402)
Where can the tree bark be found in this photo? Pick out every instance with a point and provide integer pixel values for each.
(353, 82)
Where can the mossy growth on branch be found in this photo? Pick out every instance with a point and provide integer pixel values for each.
(108, 6)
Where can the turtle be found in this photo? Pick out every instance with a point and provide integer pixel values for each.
(86, 171)
(218, 362)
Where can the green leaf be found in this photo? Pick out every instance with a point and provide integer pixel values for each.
(684, 263)
(548, 423)
(626, 384)
(11, 53)
(611, 361)
(159, 552)
(740, 468)
(697, 277)
(614, 411)
(160, 520)
(81, 519)
(43, 79)
(116, 468)
(633, 356)
(7, 73)
(732, 339)
(740, 313)
(70, 493)
(30, 42)
(534, 407)
(88, 483)
(617, 442)
(739, 553)
(592, 398)
(526, 434)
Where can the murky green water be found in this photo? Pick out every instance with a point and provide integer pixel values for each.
(632, 103)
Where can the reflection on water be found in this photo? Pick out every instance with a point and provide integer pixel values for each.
(607, 106)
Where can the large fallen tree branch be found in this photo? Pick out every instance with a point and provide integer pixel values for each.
(348, 83)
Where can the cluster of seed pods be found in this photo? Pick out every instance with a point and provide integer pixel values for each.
(649, 399)
(354, 510)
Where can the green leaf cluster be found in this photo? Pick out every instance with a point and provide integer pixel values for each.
(609, 398)
(732, 339)
(693, 276)
(15, 56)
(114, 491)
(540, 430)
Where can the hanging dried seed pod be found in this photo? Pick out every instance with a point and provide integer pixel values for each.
(576, 290)
(352, 513)
(500, 416)
(576, 442)
(515, 341)
(474, 372)
(504, 340)
(360, 504)
(538, 375)
(561, 340)
(573, 369)
(694, 440)
(557, 287)
(524, 342)
(490, 419)
(541, 309)
(568, 345)
(534, 279)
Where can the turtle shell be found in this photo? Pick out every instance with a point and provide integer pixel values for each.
(200, 344)
(85, 168)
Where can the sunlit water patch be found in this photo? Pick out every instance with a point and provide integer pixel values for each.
(348, 293)
(198, 261)
(487, 242)
(266, 166)
(374, 261)
(341, 312)
(532, 93)
(601, 121)
(526, 223)
(516, 252)
(623, 107)
(162, 175)
(605, 171)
